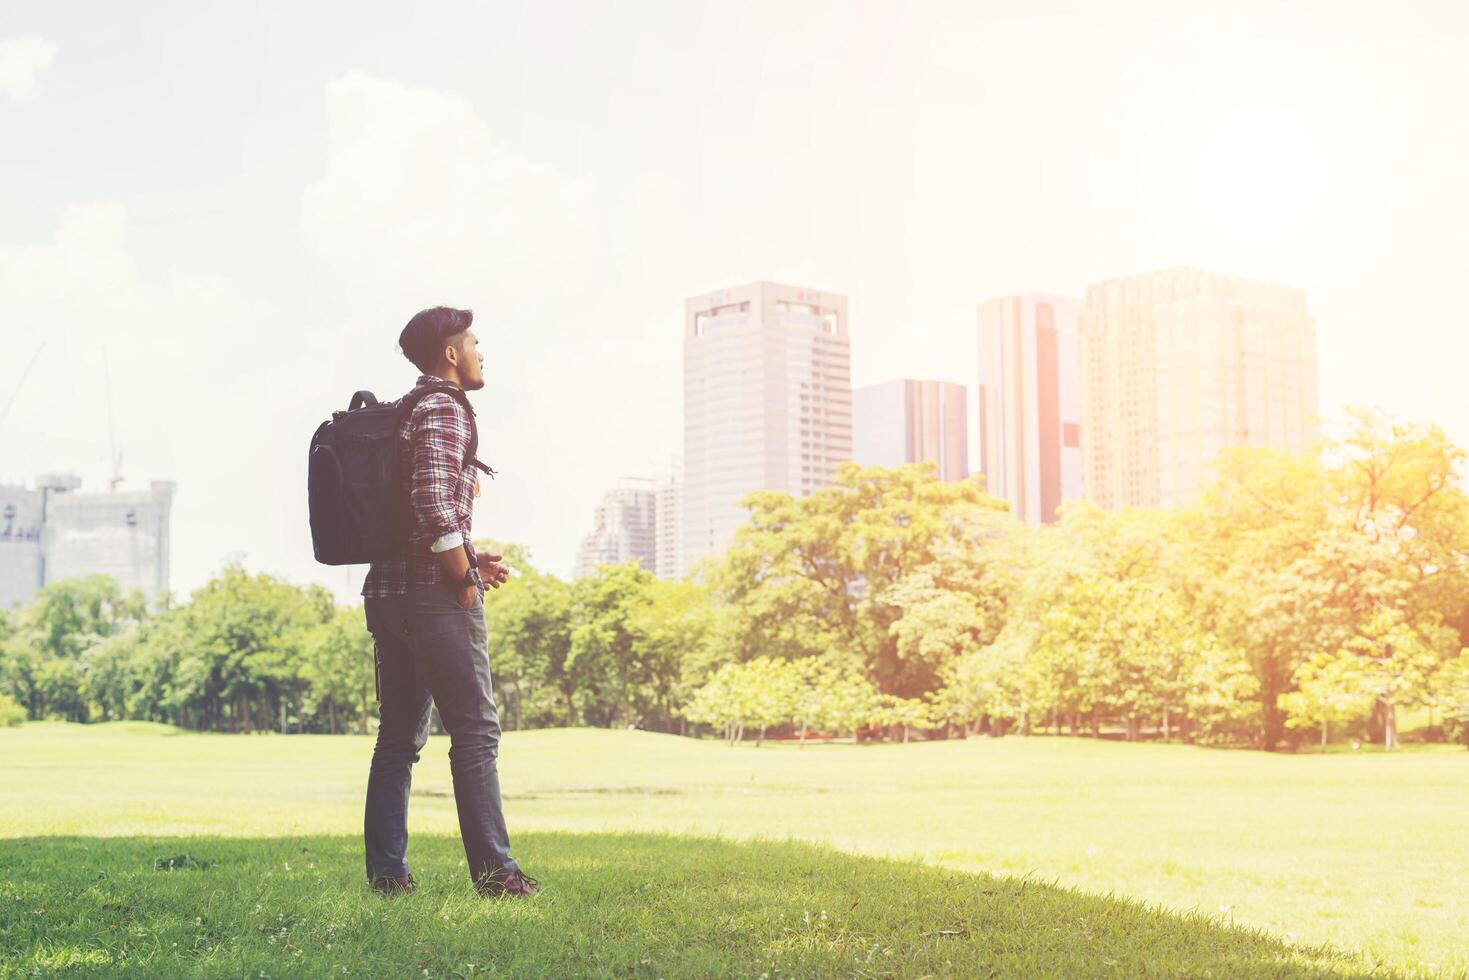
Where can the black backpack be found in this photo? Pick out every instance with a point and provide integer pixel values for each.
(356, 482)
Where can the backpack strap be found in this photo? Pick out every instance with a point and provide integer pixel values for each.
(410, 402)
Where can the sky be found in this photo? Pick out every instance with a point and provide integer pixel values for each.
(218, 217)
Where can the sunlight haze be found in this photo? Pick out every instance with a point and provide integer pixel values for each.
(232, 212)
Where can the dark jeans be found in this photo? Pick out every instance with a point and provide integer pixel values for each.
(445, 659)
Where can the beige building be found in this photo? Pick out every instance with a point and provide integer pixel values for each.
(767, 402)
(1029, 403)
(668, 511)
(911, 421)
(1179, 366)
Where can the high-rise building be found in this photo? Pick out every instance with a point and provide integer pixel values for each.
(55, 532)
(641, 520)
(624, 528)
(767, 402)
(1181, 365)
(1030, 403)
(909, 421)
(668, 510)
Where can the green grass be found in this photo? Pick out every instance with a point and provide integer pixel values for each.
(671, 857)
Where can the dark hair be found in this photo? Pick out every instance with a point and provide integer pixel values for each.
(422, 340)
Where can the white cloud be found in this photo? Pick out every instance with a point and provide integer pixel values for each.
(22, 61)
(420, 203)
(418, 198)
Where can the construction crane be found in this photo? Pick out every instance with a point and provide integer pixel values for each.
(114, 457)
(18, 385)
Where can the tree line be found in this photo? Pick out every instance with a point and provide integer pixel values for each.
(244, 653)
(1301, 598)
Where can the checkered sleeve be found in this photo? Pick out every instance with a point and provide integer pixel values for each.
(440, 442)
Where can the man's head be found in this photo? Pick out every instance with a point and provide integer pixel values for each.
(440, 342)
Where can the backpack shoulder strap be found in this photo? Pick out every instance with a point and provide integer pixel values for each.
(410, 401)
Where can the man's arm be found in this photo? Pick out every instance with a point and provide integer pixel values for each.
(440, 442)
(455, 563)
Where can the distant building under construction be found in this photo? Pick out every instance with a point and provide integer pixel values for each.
(56, 532)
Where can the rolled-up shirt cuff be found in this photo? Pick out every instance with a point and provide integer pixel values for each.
(451, 540)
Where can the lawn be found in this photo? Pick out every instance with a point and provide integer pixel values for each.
(663, 856)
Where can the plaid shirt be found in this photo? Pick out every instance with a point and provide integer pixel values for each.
(434, 441)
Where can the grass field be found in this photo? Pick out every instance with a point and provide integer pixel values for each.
(662, 856)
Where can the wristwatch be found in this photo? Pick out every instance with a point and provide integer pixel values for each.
(471, 577)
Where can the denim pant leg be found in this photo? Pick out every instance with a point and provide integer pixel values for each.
(403, 701)
(455, 666)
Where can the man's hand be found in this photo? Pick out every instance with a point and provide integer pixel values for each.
(491, 571)
(466, 596)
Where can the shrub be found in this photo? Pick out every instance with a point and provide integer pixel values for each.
(11, 714)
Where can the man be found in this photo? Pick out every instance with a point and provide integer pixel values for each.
(436, 650)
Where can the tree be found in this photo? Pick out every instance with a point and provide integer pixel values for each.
(816, 576)
(828, 696)
(1450, 688)
(1302, 553)
(715, 702)
(904, 713)
(681, 632)
(529, 623)
(1329, 690)
(43, 657)
(1221, 692)
(339, 667)
(236, 647)
(1252, 530)
(20, 674)
(957, 603)
(758, 694)
(62, 689)
(621, 678)
(765, 693)
(69, 616)
(1388, 663)
(109, 670)
(11, 713)
(985, 684)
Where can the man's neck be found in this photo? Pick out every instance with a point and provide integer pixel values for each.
(451, 376)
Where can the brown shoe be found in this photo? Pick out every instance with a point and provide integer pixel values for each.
(517, 884)
(394, 884)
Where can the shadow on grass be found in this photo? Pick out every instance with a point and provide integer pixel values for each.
(613, 904)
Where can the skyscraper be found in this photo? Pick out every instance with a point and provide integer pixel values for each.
(624, 528)
(1030, 403)
(1181, 365)
(767, 402)
(908, 421)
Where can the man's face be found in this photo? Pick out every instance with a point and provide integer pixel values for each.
(471, 363)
